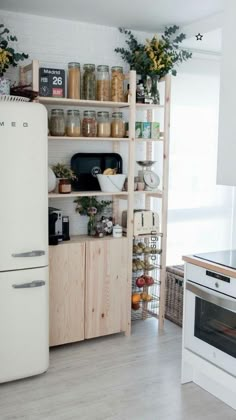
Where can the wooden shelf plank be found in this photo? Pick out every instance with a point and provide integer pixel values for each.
(138, 140)
(81, 102)
(157, 193)
(66, 138)
(86, 194)
(148, 106)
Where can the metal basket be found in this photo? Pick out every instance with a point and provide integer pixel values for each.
(174, 294)
(12, 98)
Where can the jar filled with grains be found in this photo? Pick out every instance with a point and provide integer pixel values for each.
(103, 83)
(89, 82)
(73, 123)
(89, 125)
(73, 87)
(57, 122)
(117, 125)
(117, 84)
(103, 124)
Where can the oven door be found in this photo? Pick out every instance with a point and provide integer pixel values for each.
(210, 326)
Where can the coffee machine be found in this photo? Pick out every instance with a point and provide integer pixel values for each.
(55, 226)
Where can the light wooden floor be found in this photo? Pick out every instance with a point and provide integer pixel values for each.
(114, 378)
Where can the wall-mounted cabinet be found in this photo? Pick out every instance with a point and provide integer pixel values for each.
(226, 173)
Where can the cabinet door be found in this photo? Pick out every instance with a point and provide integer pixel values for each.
(106, 287)
(226, 173)
(66, 293)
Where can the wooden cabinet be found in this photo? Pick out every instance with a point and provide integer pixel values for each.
(226, 174)
(88, 286)
(106, 287)
(66, 292)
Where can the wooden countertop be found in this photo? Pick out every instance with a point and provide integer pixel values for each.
(209, 265)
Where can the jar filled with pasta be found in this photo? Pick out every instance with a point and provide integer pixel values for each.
(117, 125)
(103, 83)
(89, 82)
(117, 84)
(73, 87)
(73, 123)
(103, 124)
(89, 125)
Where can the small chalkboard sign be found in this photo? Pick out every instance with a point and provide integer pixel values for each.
(51, 82)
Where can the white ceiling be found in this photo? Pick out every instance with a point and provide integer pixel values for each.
(148, 15)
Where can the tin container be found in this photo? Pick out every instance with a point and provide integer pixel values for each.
(155, 130)
(146, 130)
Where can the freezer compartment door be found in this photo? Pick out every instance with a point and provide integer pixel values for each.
(24, 326)
(23, 187)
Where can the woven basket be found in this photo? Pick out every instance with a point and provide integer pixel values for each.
(174, 294)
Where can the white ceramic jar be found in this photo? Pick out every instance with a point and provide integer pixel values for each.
(117, 231)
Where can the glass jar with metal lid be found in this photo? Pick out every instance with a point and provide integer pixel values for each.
(117, 84)
(89, 125)
(73, 87)
(117, 125)
(103, 83)
(103, 124)
(73, 123)
(89, 82)
(57, 122)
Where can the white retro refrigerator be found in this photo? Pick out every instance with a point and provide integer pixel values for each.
(24, 347)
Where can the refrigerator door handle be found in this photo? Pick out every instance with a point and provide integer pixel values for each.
(36, 253)
(35, 283)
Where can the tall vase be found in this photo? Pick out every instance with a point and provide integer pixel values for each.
(92, 225)
(4, 86)
(155, 94)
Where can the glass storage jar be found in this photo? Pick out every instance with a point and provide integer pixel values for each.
(73, 123)
(57, 122)
(103, 124)
(117, 125)
(117, 84)
(103, 83)
(89, 125)
(64, 186)
(89, 82)
(73, 87)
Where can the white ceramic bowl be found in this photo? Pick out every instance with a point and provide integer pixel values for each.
(111, 183)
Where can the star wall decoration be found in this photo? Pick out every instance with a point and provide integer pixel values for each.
(199, 36)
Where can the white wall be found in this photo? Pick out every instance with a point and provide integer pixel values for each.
(200, 212)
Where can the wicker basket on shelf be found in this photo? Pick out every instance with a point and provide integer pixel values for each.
(174, 294)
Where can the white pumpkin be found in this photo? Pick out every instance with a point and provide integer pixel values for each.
(52, 180)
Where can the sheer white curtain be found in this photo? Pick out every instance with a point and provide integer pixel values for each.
(200, 212)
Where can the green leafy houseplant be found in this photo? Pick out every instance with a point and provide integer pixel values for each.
(62, 171)
(90, 206)
(8, 55)
(156, 57)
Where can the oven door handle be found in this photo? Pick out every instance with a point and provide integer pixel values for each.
(213, 297)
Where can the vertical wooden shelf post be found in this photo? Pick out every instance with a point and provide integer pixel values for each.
(165, 175)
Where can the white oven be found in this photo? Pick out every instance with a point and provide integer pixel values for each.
(210, 317)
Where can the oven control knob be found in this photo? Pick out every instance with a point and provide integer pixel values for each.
(216, 284)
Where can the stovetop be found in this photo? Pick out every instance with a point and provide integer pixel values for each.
(226, 258)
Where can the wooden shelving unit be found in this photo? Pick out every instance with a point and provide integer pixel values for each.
(129, 195)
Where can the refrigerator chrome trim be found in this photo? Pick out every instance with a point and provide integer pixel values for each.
(36, 253)
(35, 283)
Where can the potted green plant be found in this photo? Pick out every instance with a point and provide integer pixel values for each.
(65, 176)
(90, 206)
(8, 57)
(155, 58)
